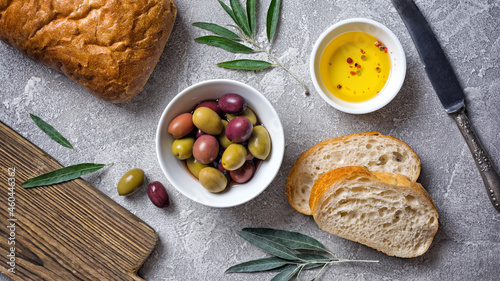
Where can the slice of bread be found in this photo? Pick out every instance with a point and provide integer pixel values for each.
(377, 152)
(384, 211)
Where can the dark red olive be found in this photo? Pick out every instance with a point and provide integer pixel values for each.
(158, 195)
(249, 156)
(244, 173)
(239, 129)
(232, 103)
(213, 105)
(199, 133)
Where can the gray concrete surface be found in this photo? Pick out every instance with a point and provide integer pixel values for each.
(198, 242)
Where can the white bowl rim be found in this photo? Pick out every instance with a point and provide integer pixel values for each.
(362, 21)
(278, 153)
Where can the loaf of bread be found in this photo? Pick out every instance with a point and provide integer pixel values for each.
(384, 211)
(110, 47)
(377, 152)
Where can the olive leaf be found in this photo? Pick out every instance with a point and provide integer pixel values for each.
(246, 25)
(240, 16)
(291, 240)
(224, 43)
(273, 15)
(246, 64)
(258, 265)
(286, 246)
(217, 29)
(251, 15)
(228, 10)
(50, 131)
(268, 246)
(287, 273)
(63, 174)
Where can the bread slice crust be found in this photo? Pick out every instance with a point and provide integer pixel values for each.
(352, 202)
(361, 149)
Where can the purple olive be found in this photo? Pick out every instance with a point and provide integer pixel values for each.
(158, 195)
(232, 103)
(239, 129)
(198, 133)
(249, 156)
(221, 168)
(206, 149)
(213, 105)
(244, 173)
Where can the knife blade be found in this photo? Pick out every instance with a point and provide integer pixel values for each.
(448, 89)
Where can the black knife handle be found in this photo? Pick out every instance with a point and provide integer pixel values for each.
(490, 175)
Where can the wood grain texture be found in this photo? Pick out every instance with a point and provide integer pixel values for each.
(67, 231)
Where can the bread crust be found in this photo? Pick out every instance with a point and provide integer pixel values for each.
(108, 47)
(306, 154)
(333, 179)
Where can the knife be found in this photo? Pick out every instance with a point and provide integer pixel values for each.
(450, 93)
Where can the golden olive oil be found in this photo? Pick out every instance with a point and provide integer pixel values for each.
(355, 66)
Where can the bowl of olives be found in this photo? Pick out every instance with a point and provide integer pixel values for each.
(220, 143)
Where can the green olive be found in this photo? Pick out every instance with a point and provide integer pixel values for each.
(223, 140)
(259, 143)
(234, 157)
(212, 179)
(130, 182)
(248, 113)
(182, 149)
(207, 120)
(194, 166)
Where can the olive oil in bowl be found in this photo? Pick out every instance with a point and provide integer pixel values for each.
(355, 66)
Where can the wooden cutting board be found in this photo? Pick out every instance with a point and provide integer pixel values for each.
(68, 231)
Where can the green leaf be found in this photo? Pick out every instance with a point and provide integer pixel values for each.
(289, 239)
(273, 15)
(228, 10)
(246, 64)
(251, 15)
(287, 273)
(313, 260)
(62, 175)
(240, 16)
(224, 43)
(258, 265)
(50, 131)
(217, 29)
(268, 246)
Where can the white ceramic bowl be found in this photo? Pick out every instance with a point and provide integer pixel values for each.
(397, 57)
(181, 178)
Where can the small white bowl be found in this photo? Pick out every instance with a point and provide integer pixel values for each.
(181, 178)
(397, 57)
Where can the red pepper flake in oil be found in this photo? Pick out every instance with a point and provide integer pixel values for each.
(361, 50)
(339, 86)
(385, 49)
(353, 73)
(377, 44)
(349, 60)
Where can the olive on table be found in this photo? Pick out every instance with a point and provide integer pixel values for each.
(195, 166)
(130, 182)
(212, 179)
(182, 149)
(207, 120)
(259, 143)
(210, 104)
(223, 140)
(232, 103)
(158, 195)
(248, 113)
(239, 129)
(234, 157)
(206, 149)
(243, 174)
(181, 125)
